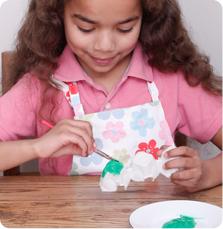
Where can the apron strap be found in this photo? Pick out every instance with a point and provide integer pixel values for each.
(153, 90)
(72, 95)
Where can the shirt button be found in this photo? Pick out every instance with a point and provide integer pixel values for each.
(108, 106)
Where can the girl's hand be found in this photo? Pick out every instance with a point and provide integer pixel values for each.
(66, 137)
(189, 167)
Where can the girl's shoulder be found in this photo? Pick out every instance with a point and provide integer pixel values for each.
(27, 88)
(30, 83)
(28, 79)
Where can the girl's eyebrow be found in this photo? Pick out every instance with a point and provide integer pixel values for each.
(130, 19)
(85, 19)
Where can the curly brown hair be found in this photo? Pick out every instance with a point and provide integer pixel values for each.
(163, 36)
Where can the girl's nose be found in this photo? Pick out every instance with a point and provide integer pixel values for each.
(105, 42)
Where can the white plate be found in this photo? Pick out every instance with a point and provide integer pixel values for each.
(156, 214)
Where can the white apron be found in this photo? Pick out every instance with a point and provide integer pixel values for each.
(120, 132)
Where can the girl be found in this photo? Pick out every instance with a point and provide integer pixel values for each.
(108, 59)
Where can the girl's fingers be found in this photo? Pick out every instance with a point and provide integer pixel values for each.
(86, 137)
(77, 137)
(185, 175)
(181, 162)
(64, 134)
(186, 183)
(79, 123)
(66, 150)
(82, 129)
(78, 141)
(189, 166)
(181, 151)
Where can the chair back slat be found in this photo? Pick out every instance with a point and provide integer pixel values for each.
(6, 56)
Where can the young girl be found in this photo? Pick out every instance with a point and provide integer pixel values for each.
(108, 59)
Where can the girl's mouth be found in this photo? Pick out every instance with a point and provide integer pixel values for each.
(102, 61)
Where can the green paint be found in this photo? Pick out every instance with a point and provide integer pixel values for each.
(113, 167)
(182, 222)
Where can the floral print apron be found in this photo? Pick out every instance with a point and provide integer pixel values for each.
(120, 132)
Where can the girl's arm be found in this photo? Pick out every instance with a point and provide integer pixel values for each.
(66, 137)
(14, 153)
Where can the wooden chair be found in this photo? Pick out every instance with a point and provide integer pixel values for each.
(5, 87)
(5, 71)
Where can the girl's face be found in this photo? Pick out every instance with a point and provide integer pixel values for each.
(102, 33)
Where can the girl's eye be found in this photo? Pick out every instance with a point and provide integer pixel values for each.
(85, 30)
(125, 30)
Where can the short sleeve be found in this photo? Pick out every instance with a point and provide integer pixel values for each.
(200, 112)
(17, 110)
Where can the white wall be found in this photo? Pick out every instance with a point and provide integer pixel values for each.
(11, 14)
(203, 19)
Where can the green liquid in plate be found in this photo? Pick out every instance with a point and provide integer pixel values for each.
(113, 167)
(182, 222)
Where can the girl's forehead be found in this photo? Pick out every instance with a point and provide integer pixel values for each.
(106, 8)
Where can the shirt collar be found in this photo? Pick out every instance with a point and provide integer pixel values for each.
(70, 70)
(139, 67)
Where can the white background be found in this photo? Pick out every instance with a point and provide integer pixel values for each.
(203, 18)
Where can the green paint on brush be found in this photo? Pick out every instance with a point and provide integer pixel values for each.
(113, 167)
(182, 222)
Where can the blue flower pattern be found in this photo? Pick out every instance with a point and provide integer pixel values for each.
(117, 113)
(142, 122)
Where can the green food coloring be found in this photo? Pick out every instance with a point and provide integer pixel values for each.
(182, 222)
(113, 167)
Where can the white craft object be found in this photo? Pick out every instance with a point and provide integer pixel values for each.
(138, 168)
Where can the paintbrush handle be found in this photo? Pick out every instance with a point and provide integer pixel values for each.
(103, 154)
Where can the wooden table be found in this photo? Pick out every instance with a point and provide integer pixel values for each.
(55, 201)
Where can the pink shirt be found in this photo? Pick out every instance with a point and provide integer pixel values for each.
(190, 110)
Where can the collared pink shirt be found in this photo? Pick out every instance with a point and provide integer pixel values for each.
(190, 110)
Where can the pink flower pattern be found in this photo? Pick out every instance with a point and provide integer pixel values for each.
(114, 131)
